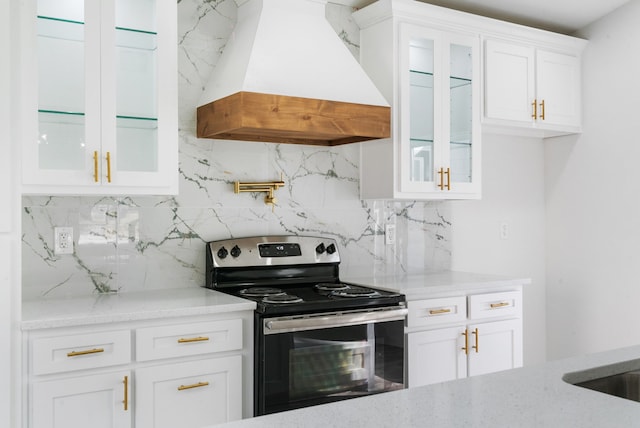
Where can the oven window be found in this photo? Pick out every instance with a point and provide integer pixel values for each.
(305, 368)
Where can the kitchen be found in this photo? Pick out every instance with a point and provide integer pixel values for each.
(558, 236)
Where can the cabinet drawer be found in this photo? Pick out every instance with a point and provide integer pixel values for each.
(193, 394)
(492, 305)
(80, 351)
(182, 340)
(437, 311)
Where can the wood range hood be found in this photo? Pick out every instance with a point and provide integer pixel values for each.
(286, 77)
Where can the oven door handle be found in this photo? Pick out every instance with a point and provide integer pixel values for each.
(315, 322)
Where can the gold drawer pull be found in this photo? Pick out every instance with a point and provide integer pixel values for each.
(499, 305)
(195, 385)
(109, 167)
(125, 381)
(193, 339)
(439, 311)
(95, 166)
(85, 352)
(465, 333)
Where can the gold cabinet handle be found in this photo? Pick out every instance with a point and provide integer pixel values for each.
(85, 352)
(126, 393)
(193, 339)
(534, 104)
(95, 166)
(195, 385)
(441, 173)
(109, 167)
(476, 347)
(439, 311)
(542, 110)
(465, 348)
(499, 305)
(448, 172)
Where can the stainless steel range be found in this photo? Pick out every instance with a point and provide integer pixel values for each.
(317, 339)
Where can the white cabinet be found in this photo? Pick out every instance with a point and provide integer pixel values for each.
(188, 372)
(434, 356)
(84, 395)
(100, 97)
(531, 87)
(194, 394)
(100, 401)
(455, 337)
(430, 74)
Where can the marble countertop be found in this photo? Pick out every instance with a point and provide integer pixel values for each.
(529, 397)
(122, 307)
(416, 286)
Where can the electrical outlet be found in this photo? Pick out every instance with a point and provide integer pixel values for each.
(504, 230)
(390, 234)
(63, 240)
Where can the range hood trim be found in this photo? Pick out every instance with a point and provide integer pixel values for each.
(250, 116)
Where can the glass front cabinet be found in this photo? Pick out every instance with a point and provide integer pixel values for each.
(100, 104)
(430, 76)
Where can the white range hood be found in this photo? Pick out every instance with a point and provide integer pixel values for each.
(285, 76)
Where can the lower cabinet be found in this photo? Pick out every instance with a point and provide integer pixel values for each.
(185, 373)
(193, 394)
(442, 346)
(96, 401)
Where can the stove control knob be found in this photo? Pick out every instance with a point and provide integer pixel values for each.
(320, 248)
(222, 253)
(331, 249)
(235, 251)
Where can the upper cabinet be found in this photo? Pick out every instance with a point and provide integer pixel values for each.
(533, 88)
(430, 74)
(449, 77)
(100, 104)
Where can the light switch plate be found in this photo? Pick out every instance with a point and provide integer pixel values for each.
(63, 240)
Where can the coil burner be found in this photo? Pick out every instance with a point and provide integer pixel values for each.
(331, 286)
(261, 292)
(282, 298)
(356, 292)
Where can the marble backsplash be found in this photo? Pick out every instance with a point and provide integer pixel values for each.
(125, 244)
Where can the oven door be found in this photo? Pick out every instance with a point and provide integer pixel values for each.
(313, 359)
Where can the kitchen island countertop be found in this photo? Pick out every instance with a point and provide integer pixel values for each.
(124, 307)
(528, 397)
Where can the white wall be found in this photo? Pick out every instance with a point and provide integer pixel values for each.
(593, 200)
(512, 194)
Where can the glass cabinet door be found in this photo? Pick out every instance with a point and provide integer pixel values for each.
(420, 113)
(136, 83)
(421, 110)
(63, 142)
(463, 127)
(461, 113)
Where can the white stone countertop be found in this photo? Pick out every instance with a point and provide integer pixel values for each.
(416, 286)
(122, 307)
(529, 397)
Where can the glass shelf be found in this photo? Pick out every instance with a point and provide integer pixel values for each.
(67, 21)
(458, 82)
(150, 122)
